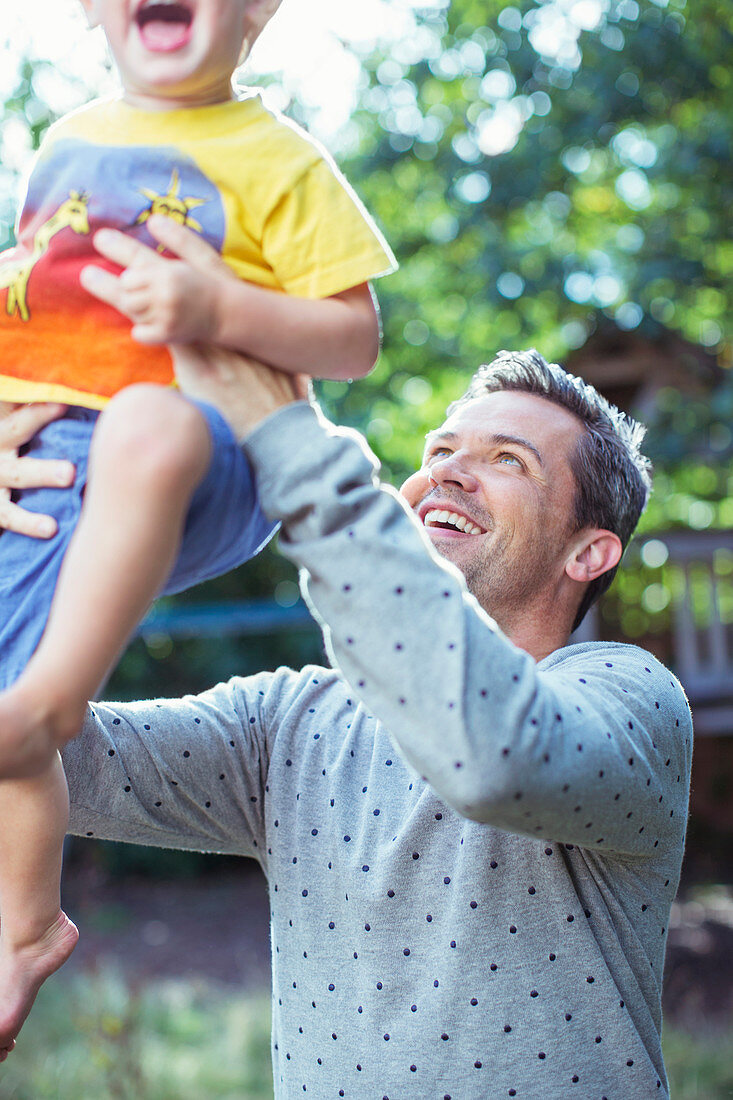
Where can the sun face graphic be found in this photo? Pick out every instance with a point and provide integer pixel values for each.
(171, 205)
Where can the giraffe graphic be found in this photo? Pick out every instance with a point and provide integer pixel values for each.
(71, 214)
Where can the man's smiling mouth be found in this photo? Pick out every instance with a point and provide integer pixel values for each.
(451, 521)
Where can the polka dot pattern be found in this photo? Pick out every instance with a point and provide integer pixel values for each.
(391, 908)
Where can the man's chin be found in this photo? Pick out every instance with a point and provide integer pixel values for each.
(457, 551)
(466, 558)
(440, 543)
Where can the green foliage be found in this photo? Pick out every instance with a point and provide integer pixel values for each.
(611, 197)
(118, 860)
(696, 431)
(699, 1065)
(638, 605)
(524, 186)
(97, 1037)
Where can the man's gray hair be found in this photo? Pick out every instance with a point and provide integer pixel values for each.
(612, 476)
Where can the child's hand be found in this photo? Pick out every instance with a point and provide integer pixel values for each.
(169, 301)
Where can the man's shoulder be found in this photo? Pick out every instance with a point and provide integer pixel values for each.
(298, 692)
(622, 671)
(609, 655)
(295, 711)
(615, 663)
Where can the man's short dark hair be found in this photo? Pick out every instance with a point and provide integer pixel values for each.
(612, 476)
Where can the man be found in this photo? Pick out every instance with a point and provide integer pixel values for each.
(472, 832)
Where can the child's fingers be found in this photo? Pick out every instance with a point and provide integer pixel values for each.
(137, 304)
(122, 249)
(148, 333)
(114, 290)
(103, 285)
(186, 244)
(138, 280)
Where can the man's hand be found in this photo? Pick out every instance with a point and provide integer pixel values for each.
(245, 392)
(18, 424)
(169, 301)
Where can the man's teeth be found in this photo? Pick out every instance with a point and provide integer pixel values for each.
(437, 517)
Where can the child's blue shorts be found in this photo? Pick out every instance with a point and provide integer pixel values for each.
(224, 527)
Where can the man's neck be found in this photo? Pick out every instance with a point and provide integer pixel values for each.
(539, 631)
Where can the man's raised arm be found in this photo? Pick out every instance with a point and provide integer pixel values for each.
(585, 747)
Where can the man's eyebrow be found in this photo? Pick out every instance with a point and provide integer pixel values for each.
(438, 433)
(517, 441)
(501, 440)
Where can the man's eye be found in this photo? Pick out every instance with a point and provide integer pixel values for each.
(511, 460)
(439, 452)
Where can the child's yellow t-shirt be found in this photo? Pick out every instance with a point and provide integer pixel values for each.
(254, 185)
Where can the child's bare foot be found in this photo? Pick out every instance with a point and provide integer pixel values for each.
(33, 725)
(24, 969)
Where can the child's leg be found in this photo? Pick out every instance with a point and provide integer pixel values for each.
(36, 937)
(150, 450)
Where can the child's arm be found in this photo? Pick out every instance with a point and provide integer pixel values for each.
(196, 299)
(335, 337)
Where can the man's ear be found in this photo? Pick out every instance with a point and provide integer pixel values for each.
(90, 10)
(594, 553)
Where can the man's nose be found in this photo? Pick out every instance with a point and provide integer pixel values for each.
(455, 470)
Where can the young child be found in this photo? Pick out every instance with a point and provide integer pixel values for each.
(168, 499)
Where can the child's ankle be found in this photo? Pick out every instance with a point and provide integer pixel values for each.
(31, 930)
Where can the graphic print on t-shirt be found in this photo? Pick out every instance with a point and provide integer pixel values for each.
(51, 329)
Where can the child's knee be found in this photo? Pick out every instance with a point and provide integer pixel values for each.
(153, 429)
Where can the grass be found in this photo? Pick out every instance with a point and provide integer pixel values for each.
(700, 1067)
(93, 1038)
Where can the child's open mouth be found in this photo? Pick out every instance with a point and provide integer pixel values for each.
(164, 24)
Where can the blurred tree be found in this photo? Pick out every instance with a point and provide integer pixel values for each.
(533, 164)
(537, 167)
